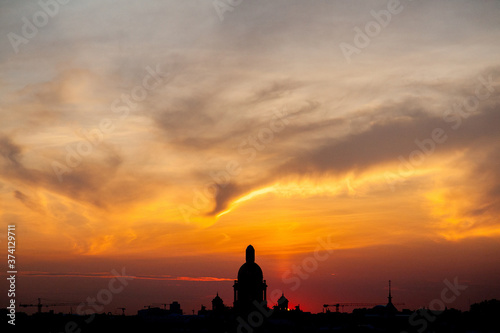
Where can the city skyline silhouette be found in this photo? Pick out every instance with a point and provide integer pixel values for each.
(252, 312)
(249, 289)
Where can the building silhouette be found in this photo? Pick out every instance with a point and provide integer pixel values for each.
(175, 307)
(250, 288)
(282, 303)
(217, 304)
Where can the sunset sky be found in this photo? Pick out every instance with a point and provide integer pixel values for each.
(163, 137)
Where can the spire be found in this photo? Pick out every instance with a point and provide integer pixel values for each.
(390, 297)
(250, 254)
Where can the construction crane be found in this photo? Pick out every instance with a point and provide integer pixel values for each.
(123, 311)
(338, 305)
(39, 305)
(164, 305)
(155, 305)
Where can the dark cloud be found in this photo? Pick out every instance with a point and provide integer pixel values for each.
(186, 117)
(275, 90)
(485, 177)
(226, 194)
(383, 142)
(29, 202)
(94, 181)
(9, 151)
(11, 166)
(204, 120)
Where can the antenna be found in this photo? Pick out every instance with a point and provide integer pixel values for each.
(390, 296)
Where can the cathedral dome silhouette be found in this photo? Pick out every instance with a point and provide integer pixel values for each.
(250, 271)
(250, 286)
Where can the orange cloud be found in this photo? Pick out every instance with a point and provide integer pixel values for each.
(106, 275)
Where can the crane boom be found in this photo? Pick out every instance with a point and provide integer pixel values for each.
(39, 305)
(338, 305)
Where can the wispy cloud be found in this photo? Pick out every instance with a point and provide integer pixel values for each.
(106, 275)
(381, 143)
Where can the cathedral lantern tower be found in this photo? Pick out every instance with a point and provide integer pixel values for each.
(217, 304)
(250, 286)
